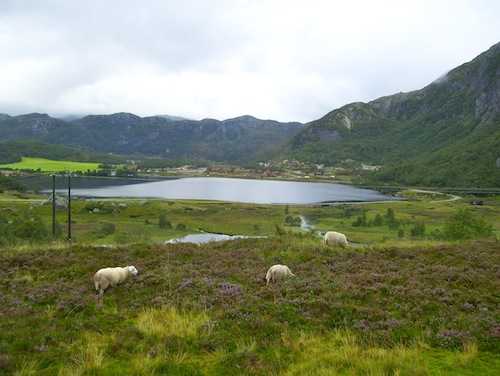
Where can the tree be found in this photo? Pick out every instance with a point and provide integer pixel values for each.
(163, 222)
(378, 221)
(30, 228)
(465, 225)
(360, 220)
(389, 215)
(418, 229)
(390, 218)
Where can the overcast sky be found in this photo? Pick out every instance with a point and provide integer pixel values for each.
(284, 60)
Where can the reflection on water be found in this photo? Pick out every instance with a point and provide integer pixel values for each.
(237, 190)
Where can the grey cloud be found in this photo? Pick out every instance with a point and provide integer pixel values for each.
(275, 59)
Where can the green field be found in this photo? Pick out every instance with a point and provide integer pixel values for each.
(390, 305)
(48, 165)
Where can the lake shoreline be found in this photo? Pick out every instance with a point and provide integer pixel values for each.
(230, 190)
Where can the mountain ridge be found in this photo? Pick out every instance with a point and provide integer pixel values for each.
(446, 133)
(237, 140)
(440, 124)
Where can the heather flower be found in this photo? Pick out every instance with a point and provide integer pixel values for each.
(229, 289)
(467, 306)
(185, 283)
(495, 331)
(451, 338)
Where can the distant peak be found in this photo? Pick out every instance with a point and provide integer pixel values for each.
(172, 117)
(118, 116)
(33, 115)
(246, 118)
(125, 115)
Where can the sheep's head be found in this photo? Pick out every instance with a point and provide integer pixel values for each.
(132, 270)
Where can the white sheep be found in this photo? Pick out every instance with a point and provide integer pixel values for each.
(106, 277)
(277, 272)
(333, 237)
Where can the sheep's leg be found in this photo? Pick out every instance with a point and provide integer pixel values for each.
(100, 297)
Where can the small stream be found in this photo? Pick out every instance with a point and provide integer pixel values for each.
(304, 224)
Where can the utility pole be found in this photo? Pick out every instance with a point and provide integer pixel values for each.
(53, 206)
(69, 207)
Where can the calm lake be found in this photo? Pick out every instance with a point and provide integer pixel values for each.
(226, 189)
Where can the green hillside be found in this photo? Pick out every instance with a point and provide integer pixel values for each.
(447, 133)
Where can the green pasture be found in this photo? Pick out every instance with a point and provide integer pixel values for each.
(48, 165)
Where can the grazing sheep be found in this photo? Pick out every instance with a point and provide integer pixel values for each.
(110, 277)
(277, 272)
(332, 238)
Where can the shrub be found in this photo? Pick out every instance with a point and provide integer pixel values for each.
(279, 230)
(390, 216)
(349, 210)
(180, 227)
(418, 230)
(378, 221)
(21, 226)
(401, 233)
(31, 228)
(9, 184)
(361, 220)
(292, 221)
(163, 222)
(106, 229)
(465, 225)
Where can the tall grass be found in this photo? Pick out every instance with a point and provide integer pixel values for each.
(341, 353)
(89, 355)
(27, 368)
(168, 321)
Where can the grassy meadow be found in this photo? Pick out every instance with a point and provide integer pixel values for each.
(390, 305)
(48, 165)
(136, 220)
